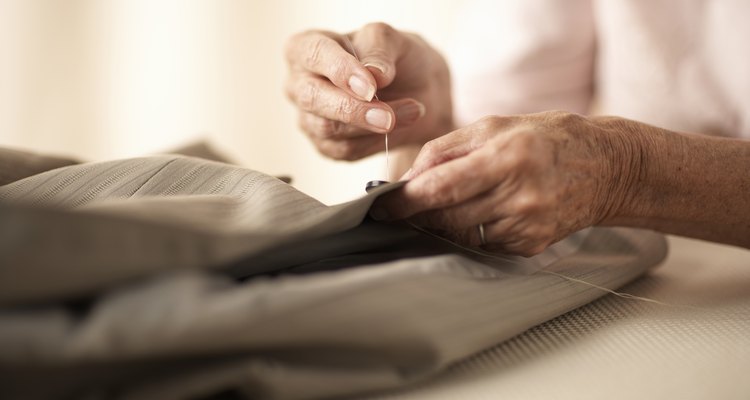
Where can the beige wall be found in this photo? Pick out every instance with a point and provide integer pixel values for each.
(104, 79)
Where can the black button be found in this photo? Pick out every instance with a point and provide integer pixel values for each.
(373, 184)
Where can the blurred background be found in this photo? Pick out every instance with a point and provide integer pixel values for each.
(120, 78)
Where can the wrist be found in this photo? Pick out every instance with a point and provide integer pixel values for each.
(628, 150)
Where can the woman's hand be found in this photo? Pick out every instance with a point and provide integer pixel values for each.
(335, 92)
(530, 180)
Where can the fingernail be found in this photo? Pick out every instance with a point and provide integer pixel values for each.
(410, 112)
(361, 87)
(378, 213)
(380, 67)
(378, 118)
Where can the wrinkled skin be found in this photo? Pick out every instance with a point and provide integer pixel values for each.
(335, 92)
(531, 180)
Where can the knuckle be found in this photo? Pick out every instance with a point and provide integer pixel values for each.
(555, 114)
(306, 96)
(328, 128)
(343, 150)
(346, 109)
(425, 192)
(528, 202)
(531, 249)
(524, 150)
(522, 137)
(564, 118)
(514, 160)
(490, 123)
(380, 28)
(319, 127)
(430, 151)
(430, 192)
(437, 194)
(314, 56)
(337, 71)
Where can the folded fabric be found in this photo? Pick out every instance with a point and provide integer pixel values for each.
(176, 277)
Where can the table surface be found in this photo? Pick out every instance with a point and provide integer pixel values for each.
(696, 347)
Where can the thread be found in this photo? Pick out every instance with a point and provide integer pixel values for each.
(387, 156)
(387, 160)
(623, 295)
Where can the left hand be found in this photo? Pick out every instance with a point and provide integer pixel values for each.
(530, 180)
(335, 91)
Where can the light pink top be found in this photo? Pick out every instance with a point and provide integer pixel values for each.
(679, 64)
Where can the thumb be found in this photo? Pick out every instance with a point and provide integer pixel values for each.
(378, 46)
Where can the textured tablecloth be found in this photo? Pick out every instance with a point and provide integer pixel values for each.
(617, 348)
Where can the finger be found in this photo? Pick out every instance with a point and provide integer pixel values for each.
(438, 151)
(407, 111)
(514, 247)
(323, 128)
(316, 95)
(465, 237)
(518, 236)
(470, 213)
(442, 186)
(350, 149)
(522, 247)
(470, 237)
(319, 53)
(502, 229)
(453, 145)
(379, 47)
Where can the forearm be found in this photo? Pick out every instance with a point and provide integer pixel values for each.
(684, 184)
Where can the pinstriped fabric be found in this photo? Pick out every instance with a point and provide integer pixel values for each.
(159, 177)
(327, 333)
(165, 212)
(109, 181)
(622, 349)
(319, 335)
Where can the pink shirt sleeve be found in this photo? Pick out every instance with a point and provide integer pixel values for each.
(512, 57)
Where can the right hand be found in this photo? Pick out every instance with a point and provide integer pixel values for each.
(335, 92)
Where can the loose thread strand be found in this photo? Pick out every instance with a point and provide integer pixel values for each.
(623, 295)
